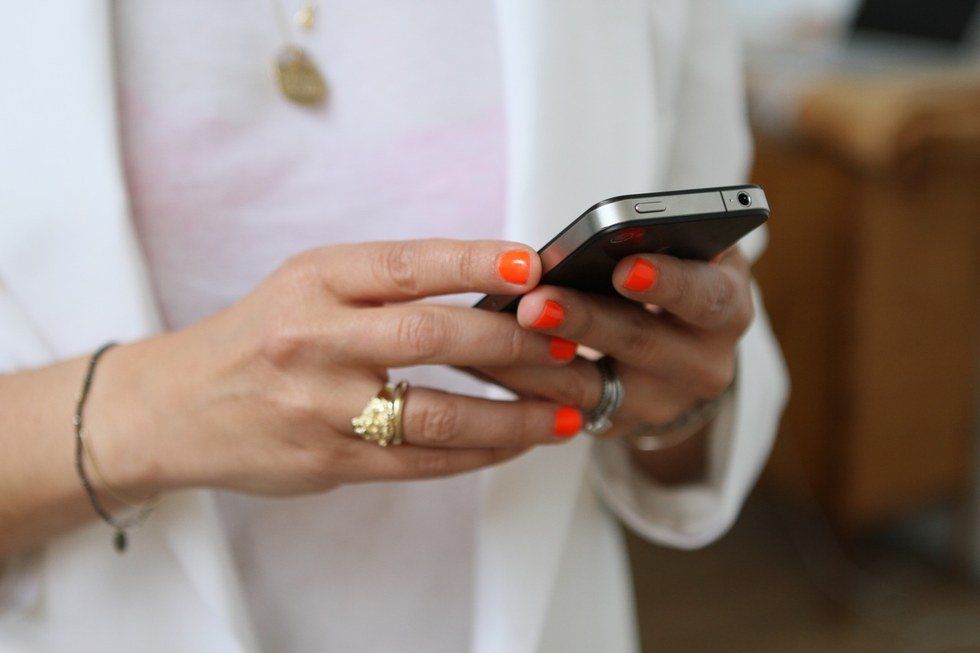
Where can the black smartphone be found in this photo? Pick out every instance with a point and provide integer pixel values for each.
(693, 224)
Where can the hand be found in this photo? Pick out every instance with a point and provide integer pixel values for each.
(672, 351)
(259, 397)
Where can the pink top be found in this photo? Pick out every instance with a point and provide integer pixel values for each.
(227, 179)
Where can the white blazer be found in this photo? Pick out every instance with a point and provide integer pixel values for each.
(602, 98)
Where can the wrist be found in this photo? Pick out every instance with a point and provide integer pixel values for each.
(125, 418)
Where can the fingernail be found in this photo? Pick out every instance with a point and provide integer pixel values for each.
(562, 349)
(551, 316)
(568, 421)
(641, 277)
(515, 266)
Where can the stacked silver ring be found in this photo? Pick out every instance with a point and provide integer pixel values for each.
(599, 418)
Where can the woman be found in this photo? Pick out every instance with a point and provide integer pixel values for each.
(248, 393)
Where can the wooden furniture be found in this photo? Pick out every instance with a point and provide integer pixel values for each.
(872, 282)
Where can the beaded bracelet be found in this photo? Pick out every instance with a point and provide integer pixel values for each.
(120, 539)
(656, 437)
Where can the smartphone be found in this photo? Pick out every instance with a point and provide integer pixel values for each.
(693, 224)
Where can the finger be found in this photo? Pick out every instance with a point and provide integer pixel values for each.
(646, 397)
(623, 330)
(432, 418)
(412, 269)
(706, 295)
(417, 334)
(409, 462)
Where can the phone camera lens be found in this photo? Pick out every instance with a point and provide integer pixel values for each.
(744, 198)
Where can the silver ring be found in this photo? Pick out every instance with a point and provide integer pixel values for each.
(599, 418)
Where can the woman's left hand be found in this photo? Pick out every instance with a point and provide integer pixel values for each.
(669, 358)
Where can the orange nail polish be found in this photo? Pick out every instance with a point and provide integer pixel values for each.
(568, 421)
(515, 266)
(641, 277)
(551, 316)
(562, 349)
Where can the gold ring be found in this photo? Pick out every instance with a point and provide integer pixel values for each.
(381, 420)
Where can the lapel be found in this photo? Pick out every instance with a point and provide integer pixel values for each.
(578, 131)
(68, 254)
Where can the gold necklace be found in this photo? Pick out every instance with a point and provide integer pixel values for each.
(297, 75)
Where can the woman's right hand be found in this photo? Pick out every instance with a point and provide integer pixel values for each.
(259, 397)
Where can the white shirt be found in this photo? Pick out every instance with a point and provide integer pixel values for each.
(227, 179)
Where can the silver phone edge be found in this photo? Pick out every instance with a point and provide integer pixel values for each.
(623, 211)
(620, 212)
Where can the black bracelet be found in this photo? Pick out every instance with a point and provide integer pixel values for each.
(119, 525)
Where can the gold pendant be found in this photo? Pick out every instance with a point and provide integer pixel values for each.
(298, 77)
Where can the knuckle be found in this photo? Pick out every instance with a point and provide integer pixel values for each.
(321, 462)
(640, 338)
(524, 425)
(295, 405)
(433, 462)
(516, 344)
(582, 322)
(498, 455)
(423, 333)
(398, 266)
(576, 390)
(717, 301)
(300, 270)
(468, 265)
(438, 422)
(662, 413)
(745, 314)
(679, 284)
(715, 379)
(281, 346)
(299, 261)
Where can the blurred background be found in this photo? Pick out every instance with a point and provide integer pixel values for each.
(864, 534)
